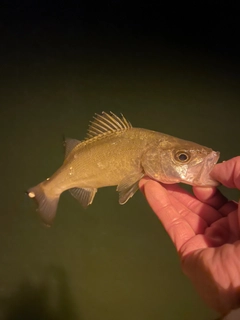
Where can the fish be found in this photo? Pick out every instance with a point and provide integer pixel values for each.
(114, 153)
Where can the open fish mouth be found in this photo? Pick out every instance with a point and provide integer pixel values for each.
(202, 176)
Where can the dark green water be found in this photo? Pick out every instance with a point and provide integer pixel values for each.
(108, 261)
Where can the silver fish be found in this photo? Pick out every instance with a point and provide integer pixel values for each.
(115, 153)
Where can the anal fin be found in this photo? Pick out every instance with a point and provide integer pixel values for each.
(128, 186)
(84, 195)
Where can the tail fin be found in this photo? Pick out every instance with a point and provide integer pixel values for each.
(47, 206)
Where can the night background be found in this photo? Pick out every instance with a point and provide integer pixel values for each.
(166, 67)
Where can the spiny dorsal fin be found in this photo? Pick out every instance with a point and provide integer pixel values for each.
(107, 123)
(69, 145)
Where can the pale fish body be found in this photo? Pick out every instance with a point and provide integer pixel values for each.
(115, 153)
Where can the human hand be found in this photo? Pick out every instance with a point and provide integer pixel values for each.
(205, 229)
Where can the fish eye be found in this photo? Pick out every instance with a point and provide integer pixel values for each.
(182, 156)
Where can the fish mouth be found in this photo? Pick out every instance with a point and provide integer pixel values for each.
(203, 177)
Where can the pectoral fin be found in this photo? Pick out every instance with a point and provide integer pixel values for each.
(84, 196)
(128, 186)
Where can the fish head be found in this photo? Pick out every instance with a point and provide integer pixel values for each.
(182, 161)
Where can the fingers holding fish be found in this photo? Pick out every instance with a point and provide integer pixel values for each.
(142, 182)
(177, 219)
(210, 195)
(201, 209)
(215, 199)
(228, 173)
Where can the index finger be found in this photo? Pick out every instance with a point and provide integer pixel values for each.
(159, 200)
